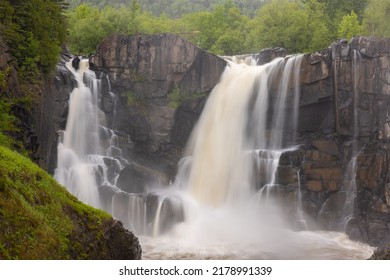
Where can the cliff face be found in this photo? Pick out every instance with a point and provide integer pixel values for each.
(152, 76)
(158, 85)
(344, 111)
(51, 113)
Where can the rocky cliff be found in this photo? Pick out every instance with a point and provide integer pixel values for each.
(344, 126)
(160, 82)
(154, 88)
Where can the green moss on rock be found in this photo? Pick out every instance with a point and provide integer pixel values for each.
(41, 220)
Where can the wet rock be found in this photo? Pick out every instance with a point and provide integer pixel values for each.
(132, 180)
(113, 168)
(106, 193)
(371, 46)
(292, 158)
(267, 55)
(286, 175)
(372, 168)
(382, 253)
(122, 244)
(136, 178)
(330, 216)
(326, 146)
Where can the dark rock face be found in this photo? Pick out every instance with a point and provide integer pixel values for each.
(122, 244)
(114, 243)
(161, 82)
(51, 114)
(381, 254)
(345, 107)
(138, 179)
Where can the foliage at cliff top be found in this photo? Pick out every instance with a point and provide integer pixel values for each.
(31, 33)
(33, 30)
(226, 27)
(173, 8)
(41, 220)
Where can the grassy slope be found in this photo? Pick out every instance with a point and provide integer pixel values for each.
(39, 219)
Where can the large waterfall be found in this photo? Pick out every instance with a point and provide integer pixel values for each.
(221, 203)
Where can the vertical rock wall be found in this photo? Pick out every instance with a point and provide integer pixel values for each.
(345, 111)
(161, 82)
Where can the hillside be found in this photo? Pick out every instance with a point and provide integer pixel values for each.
(41, 220)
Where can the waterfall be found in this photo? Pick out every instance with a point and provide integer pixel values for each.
(215, 207)
(349, 185)
(234, 126)
(89, 161)
(249, 121)
(80, 138)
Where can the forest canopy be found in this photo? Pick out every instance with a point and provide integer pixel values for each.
(230, 27)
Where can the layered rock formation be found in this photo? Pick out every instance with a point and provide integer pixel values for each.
(344, 113)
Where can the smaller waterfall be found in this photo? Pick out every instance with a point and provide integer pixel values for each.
(302, 223)
(80, 138)
(89, 160)
(349, 184)
(338, 210)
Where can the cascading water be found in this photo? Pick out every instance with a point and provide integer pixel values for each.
(215, 208)
(75, 169)
(349, 186)
(89, 160)
(249, 121)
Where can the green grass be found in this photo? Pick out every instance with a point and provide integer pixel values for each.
(40, 220)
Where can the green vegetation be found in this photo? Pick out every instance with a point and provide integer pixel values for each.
(31, 33)
(133, 99)
(175, 98)
(33, 30)
(7, 124)
(173, 8)
(40, 219)
(230, 27)
(376, 18)
(349, 26)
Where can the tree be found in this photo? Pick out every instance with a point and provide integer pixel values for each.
(349, 26)
(85, 29)
(222, 31)
(376, 18)
(318, 34)
(289, 24)
(34, 31)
